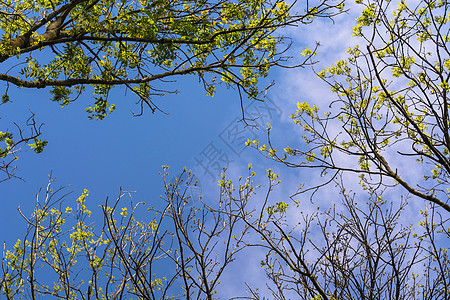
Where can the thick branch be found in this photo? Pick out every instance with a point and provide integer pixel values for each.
(79, 81)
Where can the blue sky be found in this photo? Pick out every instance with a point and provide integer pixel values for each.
(128, 152)
(120, 150)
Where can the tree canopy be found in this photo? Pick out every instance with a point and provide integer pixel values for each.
(392, 104)
(385, 128)
(71, 46)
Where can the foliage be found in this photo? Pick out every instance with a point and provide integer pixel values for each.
(73, 45)
(175, 250)
(392, 104)
(389, 125)
(8, 153)
(65, 254)
(391, 111)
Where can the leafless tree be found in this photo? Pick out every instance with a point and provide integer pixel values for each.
(363, 249)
